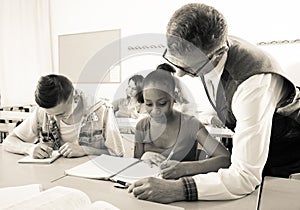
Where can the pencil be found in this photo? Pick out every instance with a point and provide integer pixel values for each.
(169, 156)
(163, 164)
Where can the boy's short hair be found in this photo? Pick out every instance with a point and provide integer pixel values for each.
(52, 90)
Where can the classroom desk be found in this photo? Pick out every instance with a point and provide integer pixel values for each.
(14, 174)
(123, 200)
(105, 191)
(280, 193)
(13, 115)
(129, 123)
(219, 132)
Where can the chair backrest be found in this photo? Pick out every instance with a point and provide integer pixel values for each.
(295, 176)
(5, 129)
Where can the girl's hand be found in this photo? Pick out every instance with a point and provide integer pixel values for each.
(172, 169)
(153, 158)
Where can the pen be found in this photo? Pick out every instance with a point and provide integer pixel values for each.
(121, 184)
(132, 164)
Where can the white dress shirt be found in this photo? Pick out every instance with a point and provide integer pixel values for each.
(253, 105)
(213, 77)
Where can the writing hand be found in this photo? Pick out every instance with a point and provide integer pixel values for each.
(171, 169)
(153, 158)
(40, 151)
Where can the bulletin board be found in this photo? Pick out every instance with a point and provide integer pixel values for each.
(91, 57)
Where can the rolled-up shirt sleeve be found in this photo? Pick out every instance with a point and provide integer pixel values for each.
(253, 105)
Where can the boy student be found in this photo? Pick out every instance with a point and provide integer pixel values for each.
(252, 97)
(169, 134)
(62, 121)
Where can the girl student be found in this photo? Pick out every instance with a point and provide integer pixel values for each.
(169, 138)
(130, 106)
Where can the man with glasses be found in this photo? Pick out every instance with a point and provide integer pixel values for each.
(250, 95)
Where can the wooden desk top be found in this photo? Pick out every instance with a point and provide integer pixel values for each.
(14, 174)
(280, 193)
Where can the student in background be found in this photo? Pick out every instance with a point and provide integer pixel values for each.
(131, 107)
(63, 121)
(170, 134)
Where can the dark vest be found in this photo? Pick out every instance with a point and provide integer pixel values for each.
(245, 60)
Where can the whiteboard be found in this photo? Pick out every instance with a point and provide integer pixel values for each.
(91, 57)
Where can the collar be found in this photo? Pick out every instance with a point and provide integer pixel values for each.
(218, 70)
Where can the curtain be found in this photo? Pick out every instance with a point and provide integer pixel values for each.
(25, 48)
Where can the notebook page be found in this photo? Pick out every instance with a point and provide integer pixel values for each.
(27, 159)
(138, 171)
(55, 198)
(101, 167)
(9, 195)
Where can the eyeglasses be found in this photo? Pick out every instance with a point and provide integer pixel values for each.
(210, 58)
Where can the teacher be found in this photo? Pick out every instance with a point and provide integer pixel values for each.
(250, 94)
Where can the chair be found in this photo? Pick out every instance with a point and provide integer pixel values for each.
(5, 129)
(295, 176)
(6, 126)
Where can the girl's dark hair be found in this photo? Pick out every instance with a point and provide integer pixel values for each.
(138, 81)
(52, 89)
(162, 75)
(166, 67)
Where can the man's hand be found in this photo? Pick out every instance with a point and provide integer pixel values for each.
(158, 190)
(71, 150)
(40, 151)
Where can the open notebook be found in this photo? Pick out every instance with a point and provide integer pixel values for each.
(27, 159)
(11, 195)
(106, 167)
(58, 197)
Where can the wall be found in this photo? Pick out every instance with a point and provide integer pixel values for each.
(253, 20)
(25, 51)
